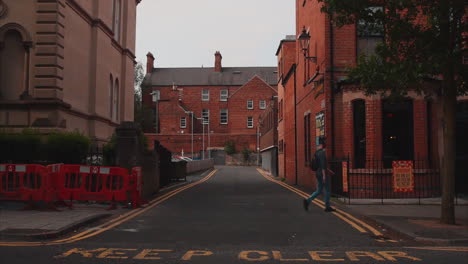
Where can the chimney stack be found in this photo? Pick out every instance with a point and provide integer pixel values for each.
(218, 58)
(149, 62)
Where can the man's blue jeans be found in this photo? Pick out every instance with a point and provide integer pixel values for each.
(320, 185)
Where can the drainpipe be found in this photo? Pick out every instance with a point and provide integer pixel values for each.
(295, 127)
(332, 87)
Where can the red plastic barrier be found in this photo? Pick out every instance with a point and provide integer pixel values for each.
(25, 182)
(60, 182)
(93, 183)
(10, 181)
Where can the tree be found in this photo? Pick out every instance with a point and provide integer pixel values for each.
(143, 115)
(425, 41)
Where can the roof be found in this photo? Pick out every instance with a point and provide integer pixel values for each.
(230, 76)
(288, 38)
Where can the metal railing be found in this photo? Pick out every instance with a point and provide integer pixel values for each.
(375, 181)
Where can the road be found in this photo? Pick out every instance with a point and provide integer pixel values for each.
(233, 215)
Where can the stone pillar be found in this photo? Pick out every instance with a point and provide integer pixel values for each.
(128, 148)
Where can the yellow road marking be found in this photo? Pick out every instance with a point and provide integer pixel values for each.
(348, 218)
(110, 224)
(455, 249)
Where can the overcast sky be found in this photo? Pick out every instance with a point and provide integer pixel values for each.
(186, 33)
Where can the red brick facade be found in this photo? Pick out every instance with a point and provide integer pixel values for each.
(314, 86)
(286, 113)
(182, 97)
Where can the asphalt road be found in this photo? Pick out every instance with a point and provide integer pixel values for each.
(235, 215)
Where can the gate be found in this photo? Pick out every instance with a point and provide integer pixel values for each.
(219, 156)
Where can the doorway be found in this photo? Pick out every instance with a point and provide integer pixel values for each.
(398, 131)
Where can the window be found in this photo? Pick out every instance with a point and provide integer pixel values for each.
(156, 95)
(307, 142)
(250, 122)
(111, 97)
(359, 120)
(250, 104)
(116, 101)
(117, 16)
(262, 104)
(223, 95)
(206, 116)
(369, 35)
(223, 116)
(280, 146)
(183, 122)
(12, 65)
(280, 110)
(205, 95)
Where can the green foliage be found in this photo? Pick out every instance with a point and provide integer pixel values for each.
(230, 147)
(21, 147)
(246, 154)
(31, 146)
(424, 40)
(67, 147)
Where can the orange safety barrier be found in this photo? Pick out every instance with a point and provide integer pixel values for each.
(25, 182)
(60, 183)
(93, 183)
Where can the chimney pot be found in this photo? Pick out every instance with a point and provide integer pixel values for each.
(218, 58)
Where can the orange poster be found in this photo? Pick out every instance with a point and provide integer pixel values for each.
(344, 166)
(403, 176)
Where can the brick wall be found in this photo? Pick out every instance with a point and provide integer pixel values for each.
(175, 101)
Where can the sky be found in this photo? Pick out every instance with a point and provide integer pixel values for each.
(187, 33)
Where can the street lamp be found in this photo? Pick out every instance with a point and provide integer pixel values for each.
(304, 40)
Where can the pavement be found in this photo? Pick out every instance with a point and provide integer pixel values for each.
(231, 215)
(41, 223)
(420, 222)
(417, 219)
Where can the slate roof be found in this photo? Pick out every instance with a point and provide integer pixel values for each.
(230, 76)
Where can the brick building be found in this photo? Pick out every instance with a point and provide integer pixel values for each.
(268, 137)
(287, 125)
(67, 65)
(226, 101)
(314, 95)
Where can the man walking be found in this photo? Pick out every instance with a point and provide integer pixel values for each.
(323, 178)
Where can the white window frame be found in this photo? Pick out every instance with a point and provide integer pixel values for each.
(183, 122)
(250, 104)
(223, 95)
(250, 122)
(156, 95)
(262, 104)
(221, 112)
(205, 96)
(206, 116)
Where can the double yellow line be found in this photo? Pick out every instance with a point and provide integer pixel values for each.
(353, 221)
(112, 223)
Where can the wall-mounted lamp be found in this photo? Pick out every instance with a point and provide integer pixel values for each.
(304, 40)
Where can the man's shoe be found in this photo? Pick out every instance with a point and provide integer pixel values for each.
(306, 204)
(329, 209)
